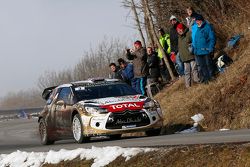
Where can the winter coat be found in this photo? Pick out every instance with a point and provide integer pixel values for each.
(174, 38)
(190, 22)
(139, 58)
(183, 43)
(204, 40)
(165, 43)
(117, 74)
(153, 64)
(194, 28)
(128, 72)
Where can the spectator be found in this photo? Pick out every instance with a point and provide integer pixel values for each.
(184, 42)
(193, 29)
(165, 43)
(116, 72)
(153, 64)
(139, 57)
(190, 20)
(127, 70)
(174, 45)
(204, 43)
(194, 26)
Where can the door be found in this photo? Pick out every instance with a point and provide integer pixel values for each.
(63, 110)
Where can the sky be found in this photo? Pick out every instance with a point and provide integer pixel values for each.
(52, 35)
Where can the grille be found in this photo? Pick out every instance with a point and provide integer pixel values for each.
(127, 119)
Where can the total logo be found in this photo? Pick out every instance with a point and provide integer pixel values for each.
(124, 106)
(130, 105)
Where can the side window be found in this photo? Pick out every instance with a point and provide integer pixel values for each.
(51, 96)
(65, 95)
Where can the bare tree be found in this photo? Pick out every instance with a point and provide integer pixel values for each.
(95, 62)
(131, 4)
(151, 24)
(52, 78)
(23, 99)
(146, 25)
(138, 22)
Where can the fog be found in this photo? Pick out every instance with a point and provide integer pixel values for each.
(40, 35)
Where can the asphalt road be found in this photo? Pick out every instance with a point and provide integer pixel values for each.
(22, 134)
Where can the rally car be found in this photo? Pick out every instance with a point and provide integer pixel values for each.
(96, 107)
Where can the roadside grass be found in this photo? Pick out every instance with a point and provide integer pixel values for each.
(222, 155)
(209, 155)
(225, 102)
(74, 163)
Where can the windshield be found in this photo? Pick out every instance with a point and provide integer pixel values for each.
(103, 91)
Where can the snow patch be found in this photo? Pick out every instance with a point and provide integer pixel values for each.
(101, 155)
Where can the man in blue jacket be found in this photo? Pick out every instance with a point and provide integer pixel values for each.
(127, 70)
(204, 43)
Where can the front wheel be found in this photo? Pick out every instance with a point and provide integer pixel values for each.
(43, 131)
(153, 132)
(77, 129)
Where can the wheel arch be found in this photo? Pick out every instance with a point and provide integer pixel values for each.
(73, 114)
(39, 118)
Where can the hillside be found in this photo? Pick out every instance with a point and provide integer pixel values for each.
(225, 102)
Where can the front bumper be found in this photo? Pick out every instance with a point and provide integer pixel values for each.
(125, 122)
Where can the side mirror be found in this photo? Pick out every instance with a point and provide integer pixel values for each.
(61, 103)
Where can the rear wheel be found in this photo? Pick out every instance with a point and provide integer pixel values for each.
(77, 130)
(153, 132)
(43, 131)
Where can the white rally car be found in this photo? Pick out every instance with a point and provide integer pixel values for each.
(96, 107)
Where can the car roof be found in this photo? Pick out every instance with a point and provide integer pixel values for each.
(88, 82)
(94, 80)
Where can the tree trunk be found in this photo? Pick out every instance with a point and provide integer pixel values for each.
(138, 22)
(147, 26)
(222, 7)
(157, 40)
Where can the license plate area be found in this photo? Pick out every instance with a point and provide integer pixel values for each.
(128, 119)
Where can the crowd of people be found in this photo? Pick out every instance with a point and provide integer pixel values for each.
(189, 48)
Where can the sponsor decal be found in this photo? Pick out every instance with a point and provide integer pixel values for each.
(123, 106)
(110, 100)
(128, 126)
(128, 120)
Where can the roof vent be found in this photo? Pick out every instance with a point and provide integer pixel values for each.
(97, 79)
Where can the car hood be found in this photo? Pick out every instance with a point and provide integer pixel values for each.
(117, 104)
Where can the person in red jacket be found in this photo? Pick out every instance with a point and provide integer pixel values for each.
(174, 45)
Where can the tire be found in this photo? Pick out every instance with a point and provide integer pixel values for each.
(115, 137)
(153, 132)
(43, 131)
(77, 130)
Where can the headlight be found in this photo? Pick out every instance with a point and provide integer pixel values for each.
(150, 104)
(95, 110)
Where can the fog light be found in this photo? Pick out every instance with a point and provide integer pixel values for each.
(97, 124)
(154, 118)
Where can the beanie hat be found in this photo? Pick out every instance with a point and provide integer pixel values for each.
(194, 14)
(198, 17)
(137, 42)
(180, 26)
(172, 17)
